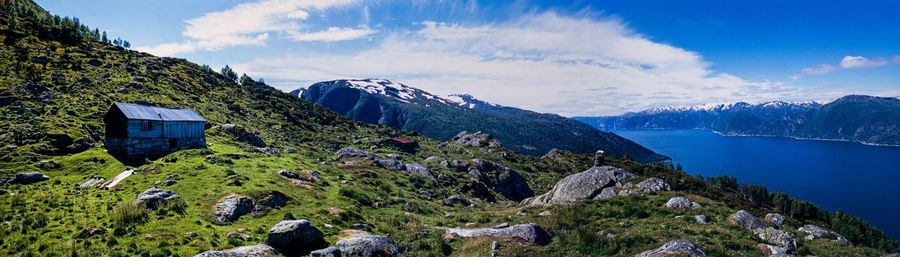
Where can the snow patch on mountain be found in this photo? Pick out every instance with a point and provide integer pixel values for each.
(727, 106)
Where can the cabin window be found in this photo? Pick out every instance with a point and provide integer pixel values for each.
(146, 125)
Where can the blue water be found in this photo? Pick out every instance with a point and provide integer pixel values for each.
(859, 179)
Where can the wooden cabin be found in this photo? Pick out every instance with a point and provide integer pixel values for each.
(139, 130)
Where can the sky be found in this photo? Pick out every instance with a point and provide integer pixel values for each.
(586, 58)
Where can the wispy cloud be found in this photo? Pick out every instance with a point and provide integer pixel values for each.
(333, 34)
(247, 24)
(545, 62)
(848, 62)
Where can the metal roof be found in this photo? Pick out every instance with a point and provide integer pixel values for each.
(143, 112)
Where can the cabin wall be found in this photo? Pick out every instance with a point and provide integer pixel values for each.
(183, 129)
(162, 138)
(136, 129)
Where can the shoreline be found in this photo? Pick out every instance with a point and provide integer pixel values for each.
(802, 138)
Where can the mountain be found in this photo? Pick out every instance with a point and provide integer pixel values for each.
(866, 119)
(379, 101)
(286, 174)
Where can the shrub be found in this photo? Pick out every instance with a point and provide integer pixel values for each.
(128, 214)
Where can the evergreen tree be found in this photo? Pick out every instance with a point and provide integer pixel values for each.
(126, 44)
(104, 39)
(229, 74)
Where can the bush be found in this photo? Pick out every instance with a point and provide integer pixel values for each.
(128, 214)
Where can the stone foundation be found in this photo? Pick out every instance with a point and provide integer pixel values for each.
(151, 146)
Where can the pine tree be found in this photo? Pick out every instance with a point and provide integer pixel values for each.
(229, 74)
(104, 39)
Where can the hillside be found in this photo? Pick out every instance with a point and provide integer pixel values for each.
(275, 166)
(400, 106)
(866, 119)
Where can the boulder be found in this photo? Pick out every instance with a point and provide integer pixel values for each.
(813, 232)
(390, 164)
(414, 168)
(364, 245)
(679, 202)
(351, 152)
(770, 250)
(679, 247)
(434, 159)
(152, 198)
(48, 165)
(531, 233)
(231, 207)
(777, 237)
(500, 179)
(244, 135)
(456, 200)
(745, 220)
(586, 185)
(327, 252)
(477, 139)
(295, 237)
(646, 186)
(259, 250)
(775, 219)
(29, 178)
(701, 219)
(552, 154)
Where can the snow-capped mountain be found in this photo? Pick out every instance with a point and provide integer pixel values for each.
(855, 118)
(381, 101)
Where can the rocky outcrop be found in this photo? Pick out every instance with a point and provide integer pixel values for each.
(745, 220)
(679, 202)
(327, 252)
(777, 237)
(701, 219)
(680, 248)
(771, 250)
(244, 135)
(647, 186)
(351, 152)
(477, 139)
(364, 245)
(259, 250)
(415, 168)
(295, 237)
(813, 232)
(454, 200)
(582, 186)
(500, 179)
(552, 154)
(29, 178)
(530, 233)
(154, 197)
(231, 207)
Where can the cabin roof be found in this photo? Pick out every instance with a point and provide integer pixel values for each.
(143, 112)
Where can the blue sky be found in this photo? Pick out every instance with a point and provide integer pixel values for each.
(566, 57)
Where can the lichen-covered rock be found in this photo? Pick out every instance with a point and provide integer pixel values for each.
(679, 202)
(770, 250)
(259, 250)
(152, 198)
(777, 237)
(680, 248)
(364, 245)
(295, 237)
(477, 139)
(745, 220)
(351, 152)
(775, 219)
(415, 168)
(813, 232)
(390, 164)
(29, 178)
(531, 233)
(647, 186)
(581, 186)
(456, 200)
(701, 219)
(327, 252)
(231, 207)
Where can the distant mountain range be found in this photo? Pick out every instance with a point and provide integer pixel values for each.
(379, 101)
(859, 118)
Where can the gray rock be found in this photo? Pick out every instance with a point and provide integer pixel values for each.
(745, 220)
(259, 250)
(295, 237)
(552, 154)
(581, 186)
(646, 186)
(777, 237)
(232, 207)
(545, 214)
(29, 178)
(679, 202)
(168, 182)
(152, 198)
(351, 152)
(500, 179)
(477, 139)
(48, 165)
(456, 200)
(92, 181)
(812, 232)
(771, 250)
(680, 247)
(701, 219)
(531, 233)
(434, 159)
(775, 219)
(415, 168)
(390, 164)
(368, 246)
(327, 252)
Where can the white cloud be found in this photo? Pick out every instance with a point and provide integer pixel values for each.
(544, 62)
(333, 34)
(247, 24)
(855, 62)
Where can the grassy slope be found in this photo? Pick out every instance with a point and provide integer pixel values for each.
(44, 219)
